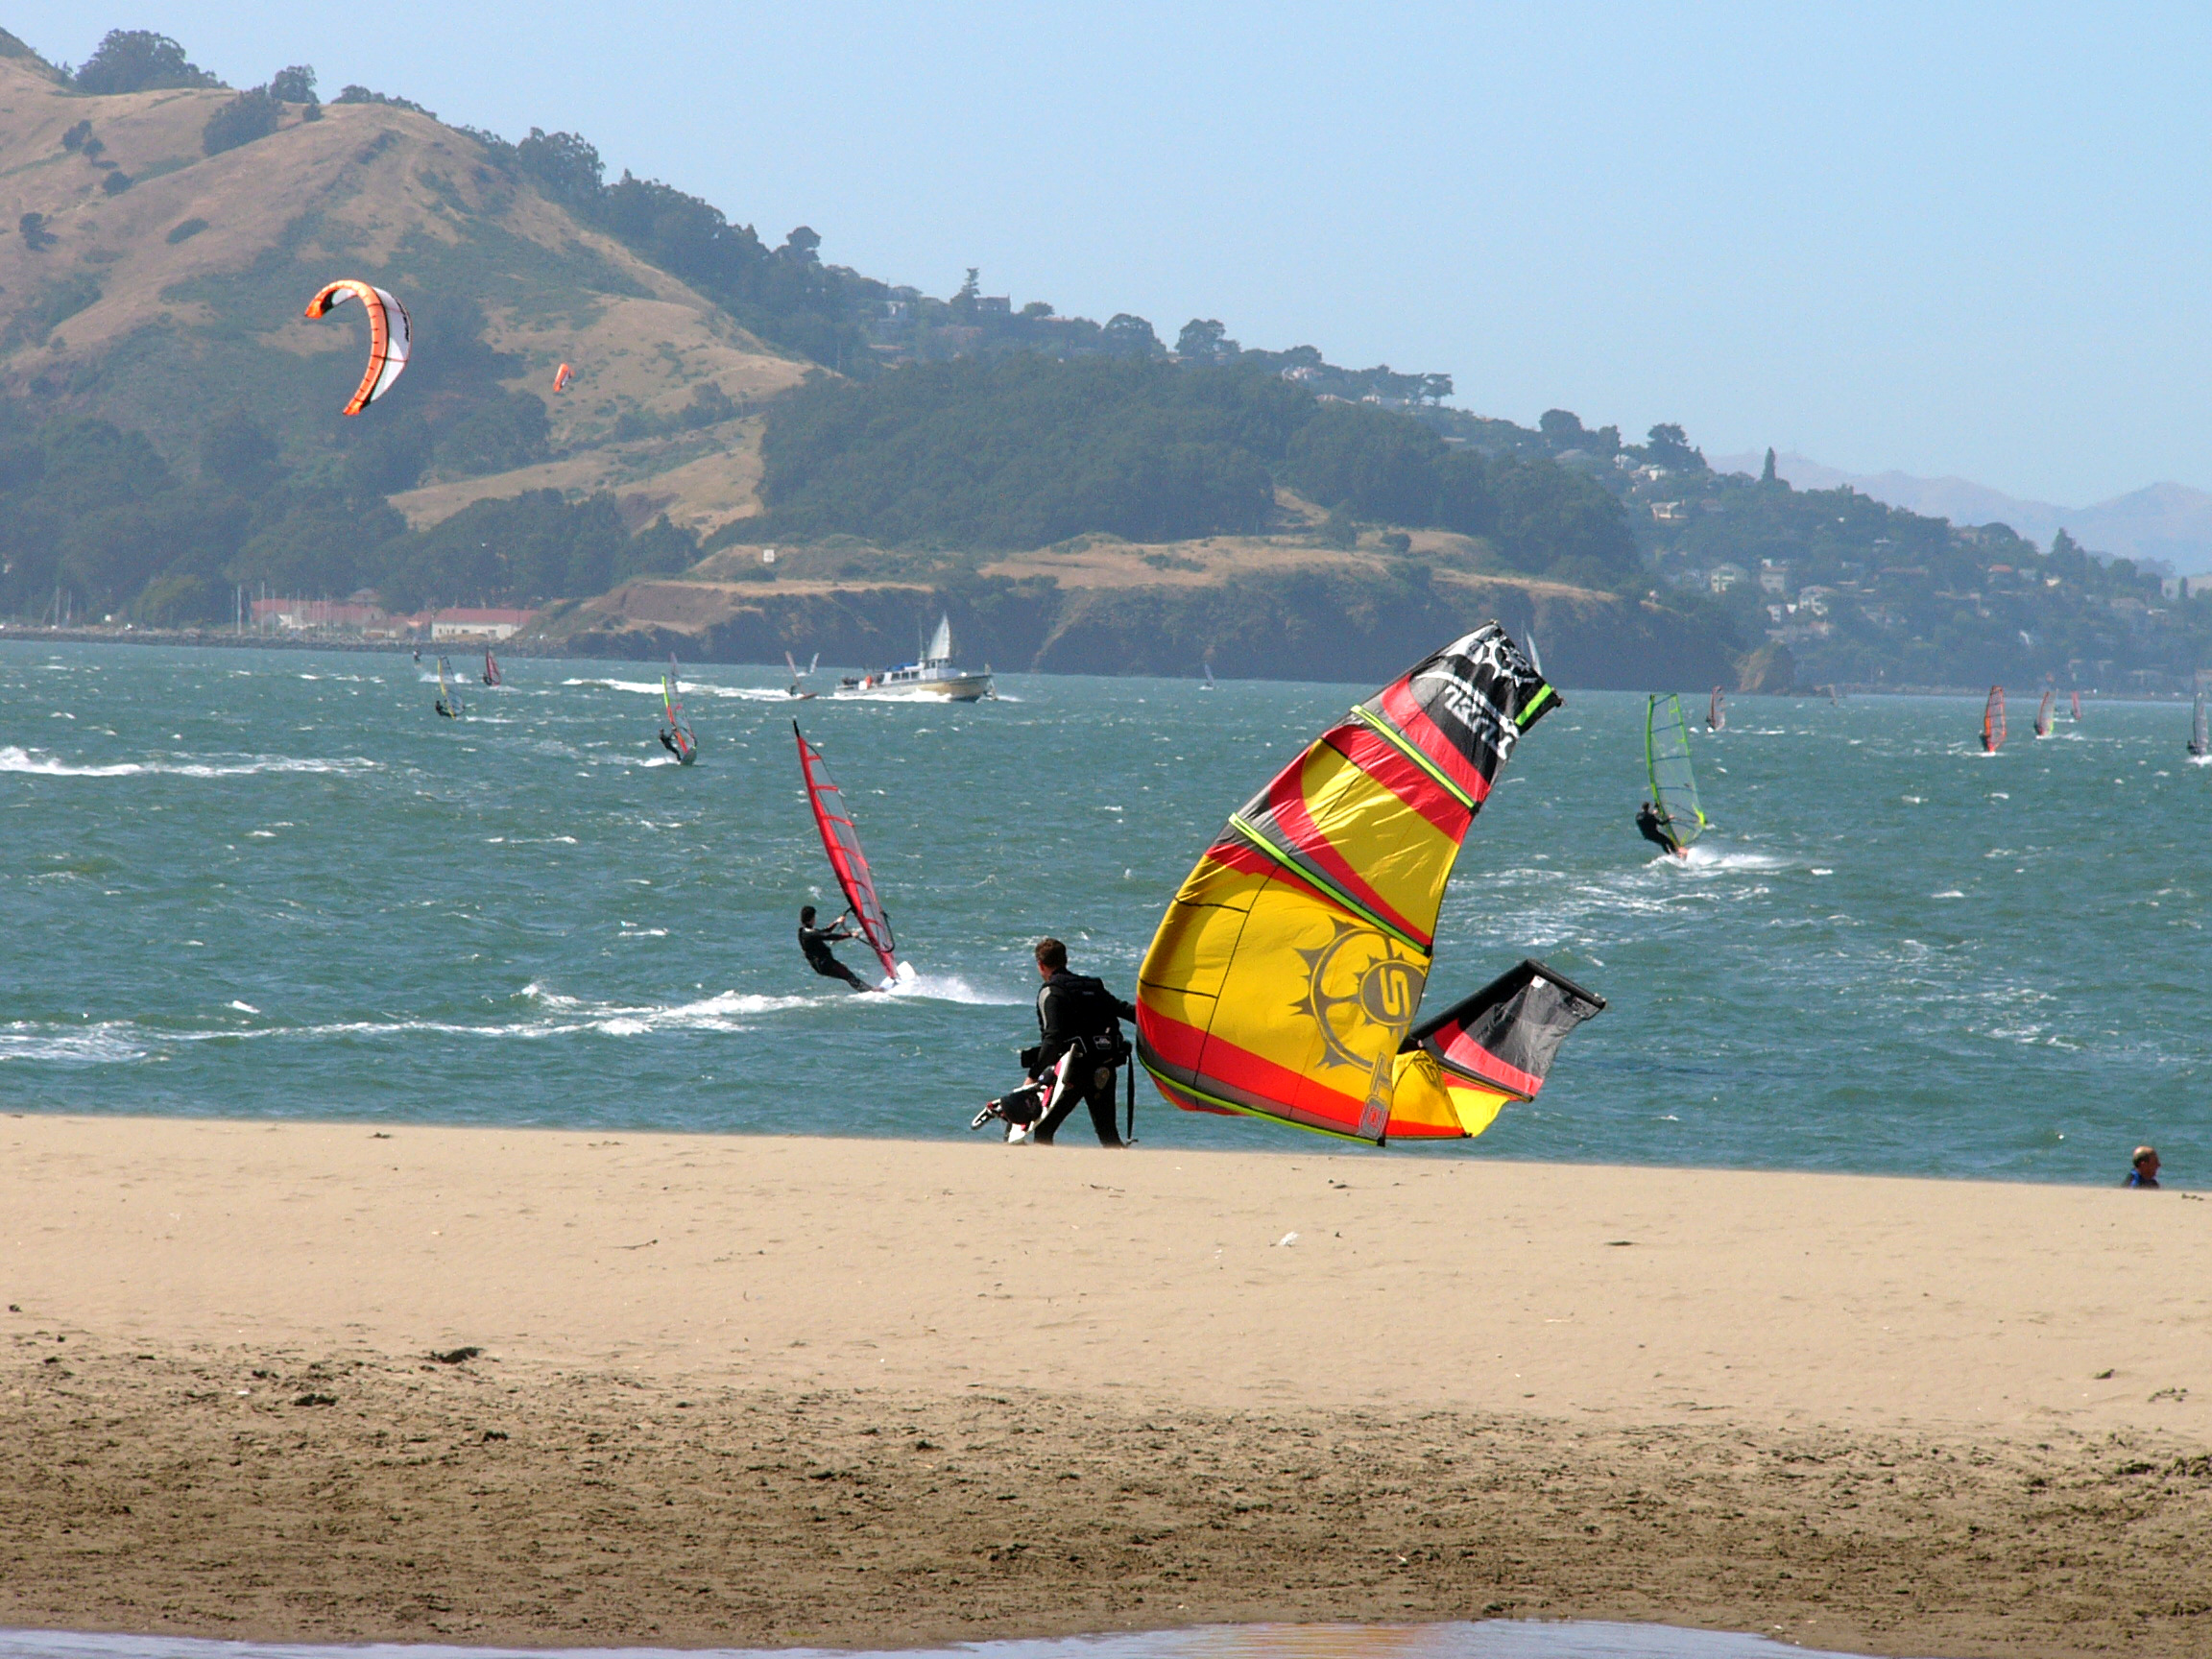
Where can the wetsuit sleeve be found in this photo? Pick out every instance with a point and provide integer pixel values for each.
(1051, 1025)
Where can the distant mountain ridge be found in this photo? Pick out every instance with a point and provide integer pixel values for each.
(2171, 523)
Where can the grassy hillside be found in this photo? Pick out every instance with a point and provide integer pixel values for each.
(160, 285)
(1281, 606)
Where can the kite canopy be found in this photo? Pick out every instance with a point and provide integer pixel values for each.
(1497, 1045)
(391, 336)
(1287, 974)
(562, 377)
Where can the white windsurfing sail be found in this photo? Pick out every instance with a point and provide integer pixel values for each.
(2199, 739)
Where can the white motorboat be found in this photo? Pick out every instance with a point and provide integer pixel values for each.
(932, 676)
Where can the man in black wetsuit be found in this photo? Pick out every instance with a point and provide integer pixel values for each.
(815, 942)
(1653, 829)
(1080, 1014)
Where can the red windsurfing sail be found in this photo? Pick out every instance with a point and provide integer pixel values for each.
(2077, 705)
(842, 842)
(1993, 721)
(491, 667)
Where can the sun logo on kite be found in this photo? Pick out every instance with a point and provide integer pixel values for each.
(1362, 993)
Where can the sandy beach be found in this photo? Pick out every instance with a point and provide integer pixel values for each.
(865, 1392)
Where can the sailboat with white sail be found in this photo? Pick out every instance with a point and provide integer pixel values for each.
(932, 675)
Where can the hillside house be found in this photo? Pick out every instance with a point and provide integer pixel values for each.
(463, 623)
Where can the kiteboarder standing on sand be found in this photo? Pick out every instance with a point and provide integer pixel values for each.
(1079, 1019)
(815, 943)
(1653, 829)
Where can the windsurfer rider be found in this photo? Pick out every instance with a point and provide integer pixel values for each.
(815, 943)
(446, 709)
(1652, 826)
(1079, 1020)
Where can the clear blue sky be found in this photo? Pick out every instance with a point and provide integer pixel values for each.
(1961, 239)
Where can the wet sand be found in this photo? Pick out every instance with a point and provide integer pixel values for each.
(770, 1390)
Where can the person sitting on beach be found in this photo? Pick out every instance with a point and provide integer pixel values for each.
(815, 942)
(2146, 1170)
(1080, 1019)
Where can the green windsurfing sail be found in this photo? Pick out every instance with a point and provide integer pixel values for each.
(1667, 758)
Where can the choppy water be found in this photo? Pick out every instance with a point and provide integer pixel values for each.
(1490, 1639)
(274, 884)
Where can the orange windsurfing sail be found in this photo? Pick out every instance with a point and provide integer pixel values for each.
(1993, 721)
(1285, 978)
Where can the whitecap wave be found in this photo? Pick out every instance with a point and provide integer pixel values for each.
(652, 688)
(39, 764)
(953, 988)
(1706, 859)
(104, 1044)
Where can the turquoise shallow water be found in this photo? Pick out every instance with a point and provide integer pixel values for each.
(274, 883)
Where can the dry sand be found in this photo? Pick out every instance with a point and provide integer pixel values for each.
(779, 1391)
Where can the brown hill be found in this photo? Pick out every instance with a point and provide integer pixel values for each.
(155, 303)
(1253, 607)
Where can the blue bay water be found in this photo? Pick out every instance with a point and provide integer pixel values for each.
(274, 883)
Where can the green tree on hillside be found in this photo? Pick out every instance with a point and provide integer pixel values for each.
(250, 115)
(138, 61)
(295, 84)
